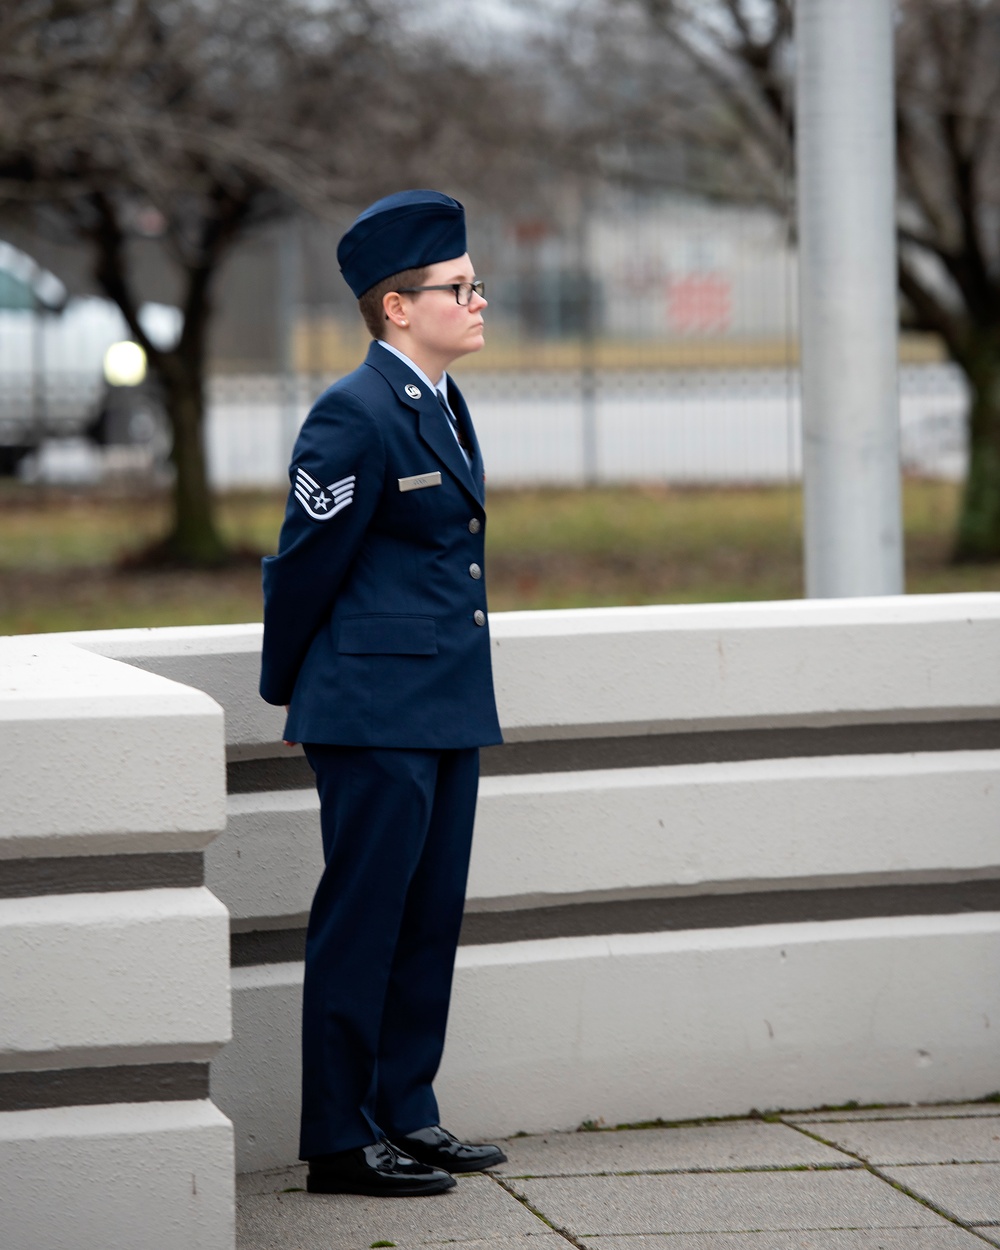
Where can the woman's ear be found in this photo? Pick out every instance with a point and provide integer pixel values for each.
(394, 309)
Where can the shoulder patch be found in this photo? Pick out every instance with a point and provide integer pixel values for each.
(323, 502)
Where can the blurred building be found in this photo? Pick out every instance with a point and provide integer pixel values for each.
(630, 337)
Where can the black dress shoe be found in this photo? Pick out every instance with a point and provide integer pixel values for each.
(436, 1147)
(381, 1171)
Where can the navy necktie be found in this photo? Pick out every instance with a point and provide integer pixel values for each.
(453, 422)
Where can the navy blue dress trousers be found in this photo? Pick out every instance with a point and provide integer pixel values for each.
(376, 636)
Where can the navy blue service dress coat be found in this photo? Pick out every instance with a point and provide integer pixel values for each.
(375, 629)
(375, 633)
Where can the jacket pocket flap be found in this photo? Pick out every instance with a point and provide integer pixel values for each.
(388, 635)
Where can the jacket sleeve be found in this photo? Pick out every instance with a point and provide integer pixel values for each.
(337, 472)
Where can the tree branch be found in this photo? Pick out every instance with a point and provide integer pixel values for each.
(111, 270)
(931, 312)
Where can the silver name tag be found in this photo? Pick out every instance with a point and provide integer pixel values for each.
(420, 481)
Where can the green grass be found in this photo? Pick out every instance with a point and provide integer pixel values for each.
(562, 548)
(62, 553)
(51, 530)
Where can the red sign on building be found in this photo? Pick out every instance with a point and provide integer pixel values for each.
(699, 303)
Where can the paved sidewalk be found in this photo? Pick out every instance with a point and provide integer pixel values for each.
(913, 1178)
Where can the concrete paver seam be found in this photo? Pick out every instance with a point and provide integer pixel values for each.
(885, 1119)
(894, 1184)
(863, 1115)
(932, 1206)
(563, 1232)
(938, 1163)
(849, 1165)
(594, 1239)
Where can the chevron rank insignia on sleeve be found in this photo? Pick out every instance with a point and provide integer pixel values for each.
(323, 502)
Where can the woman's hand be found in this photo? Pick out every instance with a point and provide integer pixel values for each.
(285, 740)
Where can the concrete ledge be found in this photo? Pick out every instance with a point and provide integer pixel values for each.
(101, 979)
(120, 738)
(257, 1079)
(90, 874)
(275, 940)
(269, 858)
(714, 1023)
(676, 909)
(114, 958)
(155, 1175)
(76, 1087)
(222, 660)
(550, 836)
(612, 671)
(548, 1034)
(598, 671)
(568, 833)
(671, 768)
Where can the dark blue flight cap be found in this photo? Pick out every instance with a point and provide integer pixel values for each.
(402, 231)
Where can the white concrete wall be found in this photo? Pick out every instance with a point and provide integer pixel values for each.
(560, 834)
(115, 740)
(155, 1175)
(257, 1078)
(621, 1029)
(591, 671)
(126, 977)
(546, 1033)
(720, 666)
(553, 837)
(109, 776)
(632, 1027)
(673, 1022)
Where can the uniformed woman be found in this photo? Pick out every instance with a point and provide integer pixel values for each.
(376, 636)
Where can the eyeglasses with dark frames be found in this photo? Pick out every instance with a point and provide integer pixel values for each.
(463, 290)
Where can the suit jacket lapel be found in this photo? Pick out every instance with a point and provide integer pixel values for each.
(432, 424)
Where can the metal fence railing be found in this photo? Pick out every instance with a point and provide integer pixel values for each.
(630, 338)
(676, 426)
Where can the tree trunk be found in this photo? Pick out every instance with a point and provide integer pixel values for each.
(979, 522)
(193, 539)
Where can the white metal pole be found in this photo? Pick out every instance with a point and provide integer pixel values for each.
(845, 155)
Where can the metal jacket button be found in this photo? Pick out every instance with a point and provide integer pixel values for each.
(475, 571)
(479, 616)
(475, 525)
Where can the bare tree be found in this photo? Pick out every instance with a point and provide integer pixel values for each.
(731, 109)
(198, 121)
(948, 141)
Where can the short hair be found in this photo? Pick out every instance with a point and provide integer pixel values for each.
(370, 303)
